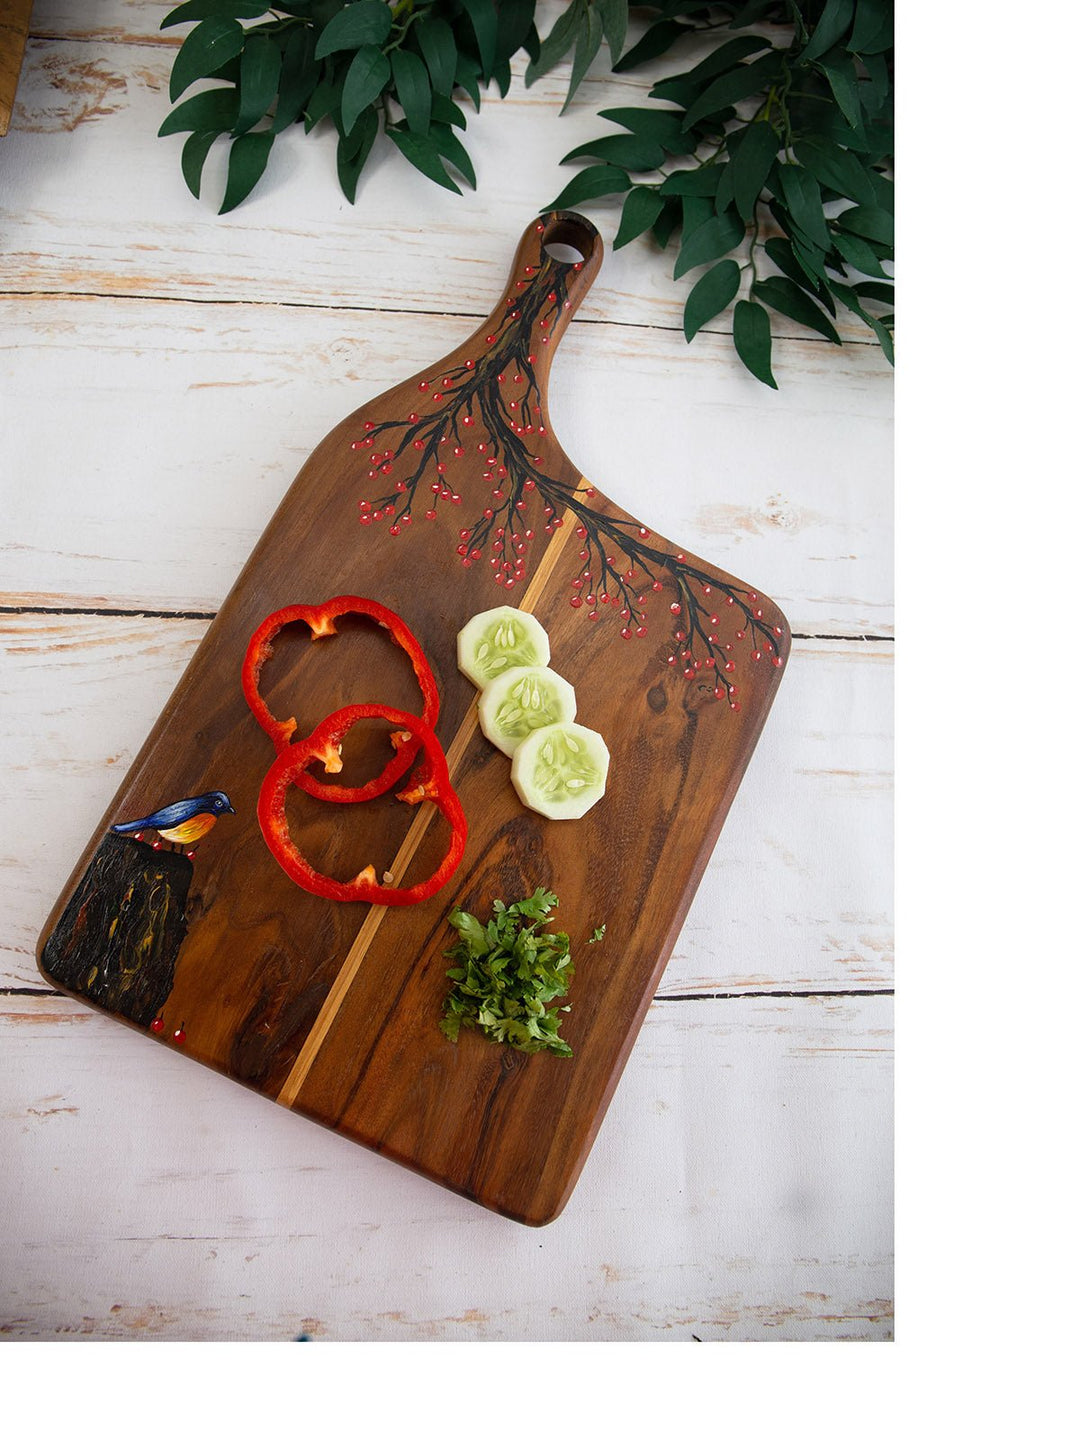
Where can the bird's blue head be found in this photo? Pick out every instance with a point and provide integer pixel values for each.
(217, 802)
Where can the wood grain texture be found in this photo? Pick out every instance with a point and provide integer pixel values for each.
(240, 1221)
(812, 815)
(509, 1131)
(14, 27)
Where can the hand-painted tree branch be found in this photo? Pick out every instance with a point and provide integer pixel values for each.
(496, 398)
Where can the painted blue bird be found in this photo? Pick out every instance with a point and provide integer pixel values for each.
(183, 822)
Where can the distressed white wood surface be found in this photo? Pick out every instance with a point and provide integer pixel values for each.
(741, 1184)
(230, 1218)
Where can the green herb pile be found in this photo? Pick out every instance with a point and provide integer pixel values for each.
(764, 155)
(508, 974)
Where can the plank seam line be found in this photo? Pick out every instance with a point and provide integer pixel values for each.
(140, 614)
(8, 991)
(772, 995)
(455, 753)
(212, 614)
(147, 42)
(383, 310)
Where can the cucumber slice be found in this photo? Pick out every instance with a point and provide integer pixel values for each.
(495, 640)
(522, 700)
(561, 770)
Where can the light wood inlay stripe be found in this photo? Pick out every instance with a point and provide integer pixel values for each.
(455, 753)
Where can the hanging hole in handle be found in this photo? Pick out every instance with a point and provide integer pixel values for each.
(569, 240)
(564, 254)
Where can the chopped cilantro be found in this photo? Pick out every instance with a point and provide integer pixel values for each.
(507, 973)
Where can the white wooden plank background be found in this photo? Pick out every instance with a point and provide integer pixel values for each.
(164, 373)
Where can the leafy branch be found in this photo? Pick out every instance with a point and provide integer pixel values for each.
(769, 158)
(770, 148)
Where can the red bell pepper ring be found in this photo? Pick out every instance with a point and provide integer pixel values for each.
(320, 621)
(431, 782)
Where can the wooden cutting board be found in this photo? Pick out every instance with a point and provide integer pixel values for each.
(333, 1009)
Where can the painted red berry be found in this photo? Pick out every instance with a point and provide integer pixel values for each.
(180, 1034)
(157, 1025)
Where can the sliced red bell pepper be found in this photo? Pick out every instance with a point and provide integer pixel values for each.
(320, 621)
(431, 782)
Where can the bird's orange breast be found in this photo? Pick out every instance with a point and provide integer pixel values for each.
(190, 830)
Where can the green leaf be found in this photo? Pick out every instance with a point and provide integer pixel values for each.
(324, 100)
(437, 45)
(632, 152)
(260, 70)
(723, 58)
(444, 110)
(752, 334)
(514, 28)
(810, 258)
(365, 22)
(422, 152)
(783, 295)
(209, 45)
(713, 293)
(588, 184)
(353, 150)
(738, 84)
(700, 180)
(802, 196)
(614, 15)
(869, 290)
(467, 75)
(876, 89)
(248, 155)
(451, 148)
(485, 24)
(657, 40)
(696, 209)
(783, 257)
(849, 297)
(868, 221)
(299, 74)
(870, 18)
(641, 209)
(413, 89)
(365, 80)
(709, 241)
(502, 77)
(833, 25)
(193, 157)
(558, 41)
(857, 253)
(669, 219)
(837, 168)
(842, 82)
(201, 9)
(652, 123)
(209, 110)
(589, 37)
(750, 165)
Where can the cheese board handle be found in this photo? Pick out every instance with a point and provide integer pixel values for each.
(556, 262)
